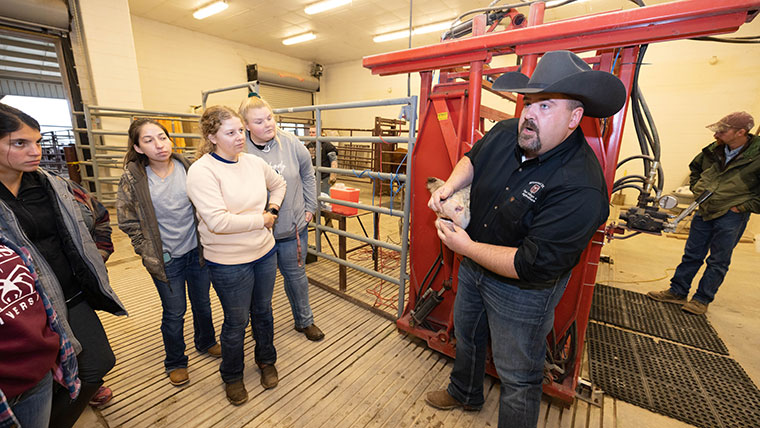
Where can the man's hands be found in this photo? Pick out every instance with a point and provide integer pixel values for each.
(453, 236)
(309, 216)
(734, 209)
(440, 195)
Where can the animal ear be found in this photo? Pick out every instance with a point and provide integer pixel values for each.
(433, 183)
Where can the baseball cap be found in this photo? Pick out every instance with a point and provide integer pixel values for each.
(736, 120)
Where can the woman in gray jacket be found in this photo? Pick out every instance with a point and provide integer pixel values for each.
(38, 211)
(154, 210)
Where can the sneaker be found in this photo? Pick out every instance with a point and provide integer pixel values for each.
(269, 377)
(102, 398)
(666, 296)
(441, 400)
(312, 332)
(236, 393)
(179, 377)
(215, 351)
(695, 307)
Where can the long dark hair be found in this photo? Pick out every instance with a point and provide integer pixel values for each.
(133, 139)
(11, 120)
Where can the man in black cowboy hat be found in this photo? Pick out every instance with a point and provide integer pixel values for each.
(538, 194)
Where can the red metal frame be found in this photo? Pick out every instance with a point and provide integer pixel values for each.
(451, 121)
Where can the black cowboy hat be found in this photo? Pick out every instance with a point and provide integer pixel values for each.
(564, 72)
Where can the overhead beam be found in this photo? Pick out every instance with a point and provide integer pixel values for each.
(669, 21)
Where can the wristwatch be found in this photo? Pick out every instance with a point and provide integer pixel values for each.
(273, 211)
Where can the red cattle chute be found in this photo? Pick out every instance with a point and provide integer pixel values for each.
(451, 121)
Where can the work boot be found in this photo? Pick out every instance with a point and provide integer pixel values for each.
(179, 377)
(312, 332)
(215, 351)
(695, 307)
(666, 296)
(236, 393)
(269, 377)
(441, 400)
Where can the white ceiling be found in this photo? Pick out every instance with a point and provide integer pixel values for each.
(344, 33)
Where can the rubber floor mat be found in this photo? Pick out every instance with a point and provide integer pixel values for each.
(694, 386)
(636, 311)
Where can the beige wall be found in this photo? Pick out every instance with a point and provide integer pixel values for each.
(176, 65)
(103, 41)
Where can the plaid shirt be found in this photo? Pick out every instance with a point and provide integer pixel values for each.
(67, 370)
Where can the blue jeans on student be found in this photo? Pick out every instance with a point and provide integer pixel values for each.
(32, 407)
(719, 236)
(182, 270)
(519, 321)
(294, 277)
(245, 291)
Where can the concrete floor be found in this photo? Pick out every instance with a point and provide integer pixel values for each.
(640, 264)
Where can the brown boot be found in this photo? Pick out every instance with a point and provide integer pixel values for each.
(236, 393)
(215, 351)
(269, 377)
(666, 296)
(179, 377)
(312, 332)
(695, 307)
(441, 400)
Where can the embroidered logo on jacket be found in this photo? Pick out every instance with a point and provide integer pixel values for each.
(531, 192)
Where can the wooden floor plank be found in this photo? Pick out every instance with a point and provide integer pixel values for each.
(353, 320)
(365, 373)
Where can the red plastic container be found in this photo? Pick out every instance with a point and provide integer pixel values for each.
(350, 194)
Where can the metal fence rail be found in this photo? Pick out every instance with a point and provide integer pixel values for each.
(410, 106)
(100, 155)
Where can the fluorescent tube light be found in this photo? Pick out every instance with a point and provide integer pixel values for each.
(298, 39)
(210, 9)
(324, 5)
(431, 28)
(391, 36)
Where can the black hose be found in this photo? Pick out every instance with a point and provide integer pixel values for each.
(628, 186)
(629, 158)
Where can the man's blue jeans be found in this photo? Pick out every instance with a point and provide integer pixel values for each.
(519, 321)
(720, 237)
(294, 277)
(245, 291)
(32, 407)
(181, 270)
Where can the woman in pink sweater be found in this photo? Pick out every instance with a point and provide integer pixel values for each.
(237, 197)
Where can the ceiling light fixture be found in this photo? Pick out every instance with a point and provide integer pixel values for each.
(425, 29)
(299, 39)
(210, 9)
(324, 5)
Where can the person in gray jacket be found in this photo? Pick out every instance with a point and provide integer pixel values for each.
(154, 210)
(39, 212)
(287, 155)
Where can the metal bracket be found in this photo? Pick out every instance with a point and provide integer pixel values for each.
(586, 391)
